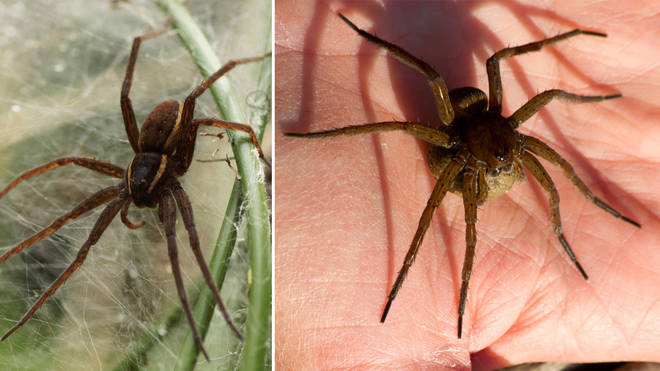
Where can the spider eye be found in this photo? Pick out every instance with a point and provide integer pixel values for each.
(502, 156)
(140, 179)
(138, 185)
(145, 178)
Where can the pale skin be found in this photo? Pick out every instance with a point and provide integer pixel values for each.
(347, 208)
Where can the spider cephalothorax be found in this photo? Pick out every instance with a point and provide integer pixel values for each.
(146, 177)
(163, 152)
(478, 153)
(487, 137)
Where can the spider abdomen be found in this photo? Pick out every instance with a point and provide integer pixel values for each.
(467, 101)
(159, 130)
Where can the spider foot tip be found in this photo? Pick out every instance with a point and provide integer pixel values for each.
(351, 24)
(385, 311)
(460, 326)
(631, 222)
(593, 33)
(613, 96)
(11, 331)
(582, 272)
(206, 356)
(234, 329)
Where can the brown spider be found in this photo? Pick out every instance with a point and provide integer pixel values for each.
(478, 154)
(163, 152)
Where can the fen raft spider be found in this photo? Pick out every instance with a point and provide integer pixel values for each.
(478, 154)
(163, 149)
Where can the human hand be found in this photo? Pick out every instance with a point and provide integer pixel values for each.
(347, 208)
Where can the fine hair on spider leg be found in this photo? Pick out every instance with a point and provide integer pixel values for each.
(478, 154)
(164, 147)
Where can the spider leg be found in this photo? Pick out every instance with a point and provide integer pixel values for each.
(440, 91)
(544, 151)
(124, 217)
(90, 163)
(231, 125)
(126, 106)
(186, 213)
(493, 63)
(436, 136)
(542, 176)
(101, 224)
(441, 187)
(482, 186)
(537, 102)
(167, 212)
(187, 146)
(189, 104)
(470, 195)
(92, 202)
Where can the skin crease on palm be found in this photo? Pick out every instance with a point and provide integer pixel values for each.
(347, 208)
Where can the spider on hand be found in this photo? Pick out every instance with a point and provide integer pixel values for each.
(163, 152)
(478, 154)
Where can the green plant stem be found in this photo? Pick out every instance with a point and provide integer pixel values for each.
(256, 355)
(219, 264)
(257, 337)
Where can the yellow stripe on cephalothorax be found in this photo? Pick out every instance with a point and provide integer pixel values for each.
(128, 176)
(159, 174)
(175, 129)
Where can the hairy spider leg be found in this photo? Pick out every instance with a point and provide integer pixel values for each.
(126, 107)
(184, 151)
(186, 213)
(102, 167)
(493, 63)
(438, 86)
(167, 213)
(470, 193)
(435, 136)
(441, 187)
(544, 151)
(99, 227)
(538, 101)
(95, 200)
(542, 176)
(482, 195)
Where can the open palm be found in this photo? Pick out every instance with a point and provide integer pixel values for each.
(347, 208)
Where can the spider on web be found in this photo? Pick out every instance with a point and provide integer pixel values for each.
(164, 148)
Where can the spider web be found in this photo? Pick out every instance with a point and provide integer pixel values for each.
(63, 66)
